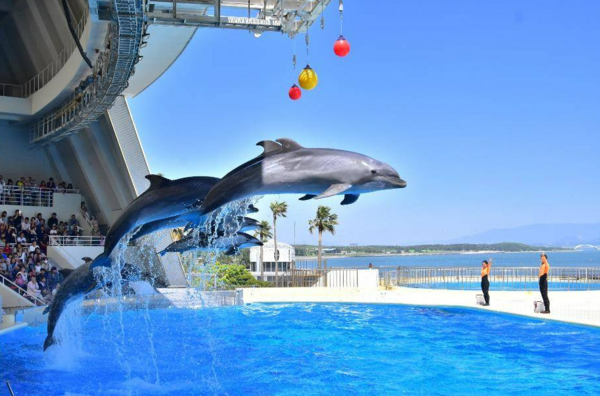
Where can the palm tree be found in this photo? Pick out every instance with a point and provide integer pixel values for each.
(279, 209)
(324, 221)
(263, 233)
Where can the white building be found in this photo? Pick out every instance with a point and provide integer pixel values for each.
(287, 255)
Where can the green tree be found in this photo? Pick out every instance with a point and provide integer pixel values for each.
(325, 221)
(263, 233)
(279, 209)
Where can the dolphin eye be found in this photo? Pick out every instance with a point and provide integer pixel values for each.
(373, 171)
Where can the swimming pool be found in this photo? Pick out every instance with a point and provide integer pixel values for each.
(307, 349)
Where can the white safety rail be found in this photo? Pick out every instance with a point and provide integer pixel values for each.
(287, 16)
(501, 278)
(21, 294)
(31, 196)
(43, 77)
(76, 240)
(105, 83)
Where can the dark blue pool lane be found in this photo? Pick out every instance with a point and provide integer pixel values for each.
(307, 349)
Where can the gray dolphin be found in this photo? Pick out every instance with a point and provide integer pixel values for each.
(285, 167)
(205, 242)
(164, 198)
(195, 219)
(79, 282)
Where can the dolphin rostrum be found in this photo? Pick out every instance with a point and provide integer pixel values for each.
(164, 198)
(205, 242)
(80, 282)
(285, 167)
(76, 284)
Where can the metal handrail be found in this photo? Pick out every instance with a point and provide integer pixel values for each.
(56, 240)
(31, 196)
(108, 80)
(38, 81)
(23, 293)
(501, 278)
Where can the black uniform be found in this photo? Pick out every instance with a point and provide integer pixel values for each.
(485, 287)
(544, 291)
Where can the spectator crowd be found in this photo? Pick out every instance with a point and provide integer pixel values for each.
(28, 192)
(23, 249)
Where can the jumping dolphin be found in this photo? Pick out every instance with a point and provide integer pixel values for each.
(78, 283)
(285, 167)
(164, 198)
(230, 244)
(194, 219)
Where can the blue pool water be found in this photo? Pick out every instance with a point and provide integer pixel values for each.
(307, 349)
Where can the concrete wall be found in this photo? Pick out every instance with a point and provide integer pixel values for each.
(16, 157)
(12, 299)
(70, 257)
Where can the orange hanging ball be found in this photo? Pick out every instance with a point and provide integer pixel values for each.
(295, 93)
(341, 47)
(308, 78)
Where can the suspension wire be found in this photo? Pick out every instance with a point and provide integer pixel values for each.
(307, 39)
(323, 15)
(341, 8)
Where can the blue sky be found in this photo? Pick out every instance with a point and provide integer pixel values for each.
(489, 109)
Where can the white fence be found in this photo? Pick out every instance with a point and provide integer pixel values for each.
(31, 196)
(76, 240)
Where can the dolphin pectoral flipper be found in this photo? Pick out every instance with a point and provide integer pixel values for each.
(350, 199)
(307, 197)
(334, 189)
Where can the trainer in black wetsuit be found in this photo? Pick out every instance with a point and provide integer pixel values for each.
(485, 281)
(544, 270)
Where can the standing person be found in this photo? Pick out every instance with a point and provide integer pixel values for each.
(486, 266)
(544, 270)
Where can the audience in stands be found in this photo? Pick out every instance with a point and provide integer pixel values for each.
(27, 191)
(23, 248)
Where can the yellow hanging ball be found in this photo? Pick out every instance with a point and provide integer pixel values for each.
(308, 78)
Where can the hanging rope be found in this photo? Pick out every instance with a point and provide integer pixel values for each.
(307, 39)
(341, 8)
(323, 15)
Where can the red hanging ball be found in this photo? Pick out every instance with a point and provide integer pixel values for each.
(295, 93)
(341, 47)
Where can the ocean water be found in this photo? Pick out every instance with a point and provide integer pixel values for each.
(587, 258)
(307, 349)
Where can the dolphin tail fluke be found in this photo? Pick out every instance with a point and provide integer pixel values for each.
(102, 260)
(49, 342)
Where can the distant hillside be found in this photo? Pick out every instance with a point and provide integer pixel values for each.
(540, 234)
(311, 250)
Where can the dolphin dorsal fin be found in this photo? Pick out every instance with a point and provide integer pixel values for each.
(289, 144)
(270, 147)
(157, 181)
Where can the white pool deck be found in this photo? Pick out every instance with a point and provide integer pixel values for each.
(579, 307)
